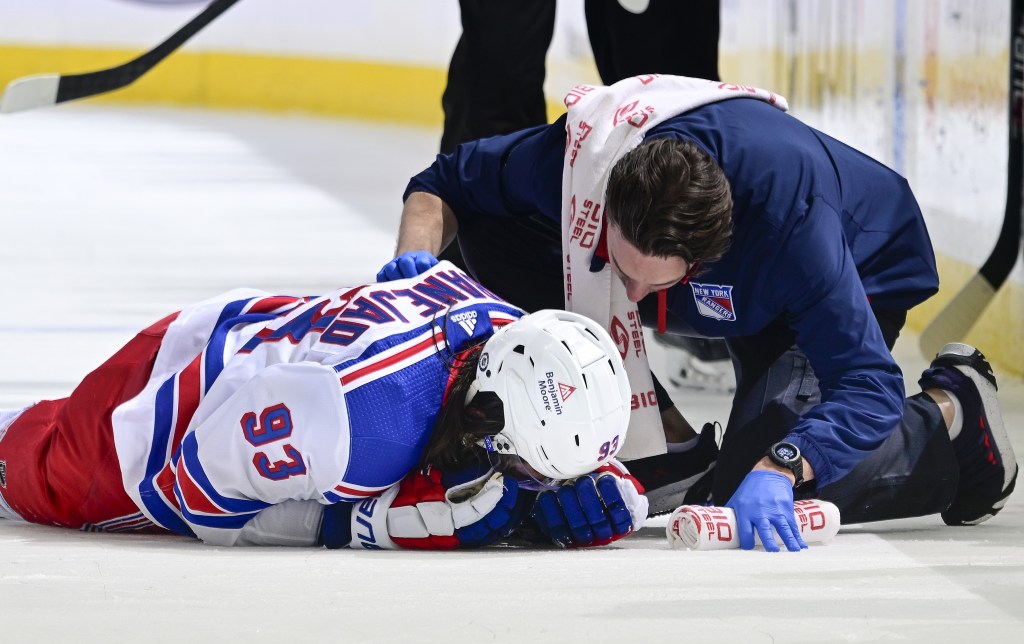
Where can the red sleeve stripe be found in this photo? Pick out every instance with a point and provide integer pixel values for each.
(499, 320)
(195, 500)
(410, 354)
(189, 391)
(270, 304)
(165, 485)
(359, 492)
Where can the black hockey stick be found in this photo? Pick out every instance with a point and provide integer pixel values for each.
(959, 315)
(49, 89)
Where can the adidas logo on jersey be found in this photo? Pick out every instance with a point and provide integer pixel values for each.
(3, 474)
(467, 320)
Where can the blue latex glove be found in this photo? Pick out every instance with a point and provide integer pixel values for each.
(590, 511)
(408, 264)
(764, 500)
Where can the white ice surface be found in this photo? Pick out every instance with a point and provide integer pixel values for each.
(110, 219)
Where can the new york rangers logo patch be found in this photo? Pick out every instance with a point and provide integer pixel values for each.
(714, 301)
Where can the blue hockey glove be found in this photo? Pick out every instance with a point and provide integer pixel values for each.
(408, 264)
(593, 510)
(765, 500)
(336, 526)
(424, 512)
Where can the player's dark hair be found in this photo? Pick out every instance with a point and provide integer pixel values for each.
(668, 198)
(459, 426)
(452, 444)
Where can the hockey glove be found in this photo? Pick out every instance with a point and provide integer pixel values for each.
(422, 512)
(765, 500)
(592, 510)
(408, 264)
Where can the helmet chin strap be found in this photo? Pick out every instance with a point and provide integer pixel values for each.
(474, 389)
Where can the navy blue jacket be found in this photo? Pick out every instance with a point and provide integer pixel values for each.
(819, 230)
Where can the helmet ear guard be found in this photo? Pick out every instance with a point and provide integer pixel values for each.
(563, 389)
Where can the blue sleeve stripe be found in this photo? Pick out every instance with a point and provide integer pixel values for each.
(223, 521)
(230, 316)
(158, 507)
(161, 510)
(190, 452)
(163, 416)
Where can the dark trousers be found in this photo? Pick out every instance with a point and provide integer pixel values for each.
(496, 74)
(913, 473)
(670, 37)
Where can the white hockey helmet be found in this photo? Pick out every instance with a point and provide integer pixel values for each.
(564, 390)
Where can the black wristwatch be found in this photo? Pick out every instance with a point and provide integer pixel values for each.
(787, 455)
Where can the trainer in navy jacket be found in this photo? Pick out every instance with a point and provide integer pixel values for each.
(825, 241)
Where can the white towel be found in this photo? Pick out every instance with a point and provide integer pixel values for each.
(603, 124)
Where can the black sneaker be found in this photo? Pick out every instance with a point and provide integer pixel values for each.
(988, 467)
(682, 478)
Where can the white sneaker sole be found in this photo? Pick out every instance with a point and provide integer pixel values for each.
(990, 405)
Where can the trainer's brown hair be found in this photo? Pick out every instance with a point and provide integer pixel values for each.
(670, 199)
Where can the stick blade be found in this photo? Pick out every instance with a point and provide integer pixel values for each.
(959, 315)
(29, 93)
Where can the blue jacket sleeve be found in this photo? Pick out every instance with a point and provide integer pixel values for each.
(862, 393)
(516, 174)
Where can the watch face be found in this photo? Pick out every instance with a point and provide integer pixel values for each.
(786, 452)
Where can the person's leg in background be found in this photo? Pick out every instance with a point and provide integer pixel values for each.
(668, 37)
(950, 453)
(496, 75)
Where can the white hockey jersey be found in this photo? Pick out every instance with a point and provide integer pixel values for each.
(255, 400)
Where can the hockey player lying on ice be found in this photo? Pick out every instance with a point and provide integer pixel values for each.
(421, 413)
